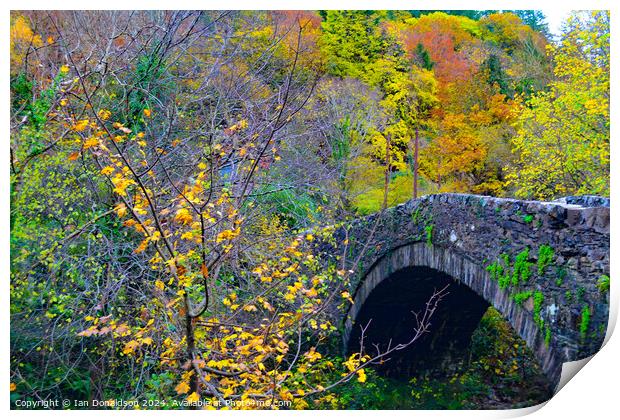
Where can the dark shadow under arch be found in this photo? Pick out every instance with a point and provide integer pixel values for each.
(467, 277)
(389, 315)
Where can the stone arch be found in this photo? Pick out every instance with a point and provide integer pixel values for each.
(465, 272)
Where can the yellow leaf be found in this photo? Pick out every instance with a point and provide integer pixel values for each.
(159, 284)
(182, 388)
(104, 114)
(91, 142)
(87, 333)
(147, 112)
(346, 295)
(141, 247)
(130, 347)
(50, 40)
(107, 170)
(13, 386)
(361, 376)
(121, 209)
(80, 125)
(64, 69)
(227, 235)
(183, 216)
(312, 355)
(121, 184)
(193, 397)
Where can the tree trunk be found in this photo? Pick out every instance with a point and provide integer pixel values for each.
(189, 335)
(439, 174)
(387, 171)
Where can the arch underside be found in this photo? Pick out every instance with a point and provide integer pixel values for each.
(471, 291)
(390, 313)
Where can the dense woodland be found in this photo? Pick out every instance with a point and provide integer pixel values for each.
(170, 172)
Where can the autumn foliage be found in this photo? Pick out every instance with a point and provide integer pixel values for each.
(171, 173)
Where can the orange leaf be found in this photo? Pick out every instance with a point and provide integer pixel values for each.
(182, 388)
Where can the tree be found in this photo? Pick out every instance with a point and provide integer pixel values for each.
(496, 74)
(445, 37)
(422, 58)
(563, 138)
(351, 40)
(409, 96)
(535, 19)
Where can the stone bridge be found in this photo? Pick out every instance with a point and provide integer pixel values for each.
(542, 265)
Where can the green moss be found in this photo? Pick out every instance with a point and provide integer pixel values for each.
(560, 272)
(547, 336)
(521, 297)
(499, 273)
(528, 218)
(585, 321)
(500, 270)
(603, 284)
(581, 292)
(521, 272)
(415, 216)
(545, 257)
(538, 301)
(568, 295)
(429, 234)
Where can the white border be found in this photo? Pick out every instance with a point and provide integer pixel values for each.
(592, 395)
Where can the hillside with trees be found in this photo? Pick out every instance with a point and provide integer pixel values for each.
(171, 170)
